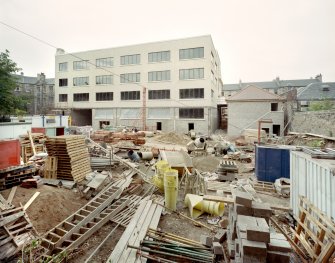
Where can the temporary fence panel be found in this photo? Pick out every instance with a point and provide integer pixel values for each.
(314, 179)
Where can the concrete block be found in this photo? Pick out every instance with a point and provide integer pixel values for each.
(279, 236)
(226, 177)
(217, 248)
(243, 210)
(278, 257)
(253, 248)
(253, 259)
(243, 198)
(278, 245)
(261, 210)
(206, 240)
(243, 221)
(256, 233)
(220, 236)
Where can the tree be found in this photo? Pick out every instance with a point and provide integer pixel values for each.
(7, 83)
(325, 104)
(9, 102)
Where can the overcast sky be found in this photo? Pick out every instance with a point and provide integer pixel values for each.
(257, 40)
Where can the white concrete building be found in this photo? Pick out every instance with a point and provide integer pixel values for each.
(252, 104)
(180, 80)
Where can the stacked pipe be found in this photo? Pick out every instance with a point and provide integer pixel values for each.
(167, 247)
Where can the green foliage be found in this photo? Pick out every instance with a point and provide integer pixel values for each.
(325, 104)
(7, 83)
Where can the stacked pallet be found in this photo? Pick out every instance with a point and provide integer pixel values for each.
(249, 236)
(26, 149)
(15, 175)
(72, 154)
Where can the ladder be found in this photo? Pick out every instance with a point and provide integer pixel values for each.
(75, 229)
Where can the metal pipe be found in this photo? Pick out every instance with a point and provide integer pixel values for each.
(174, 245)
(154, 258)
(165, 253)
(165, 234)
(180, 251)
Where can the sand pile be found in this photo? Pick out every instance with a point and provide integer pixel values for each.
(173, 137)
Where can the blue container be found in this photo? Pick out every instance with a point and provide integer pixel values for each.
(271, 163)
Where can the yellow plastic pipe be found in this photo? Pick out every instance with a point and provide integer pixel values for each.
(171, 188)
(197, 206)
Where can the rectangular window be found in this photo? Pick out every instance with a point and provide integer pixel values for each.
(62, 82)
(130, 77)
(81, 97)
(191, 93)
(191, 53)
(104, 96)
(159, 56)
(159, 75)
(212, 75)
(159, 94)
(78, 65)
(131, 59)
(104, 79)
(130, 95)
(62, 66)
(212, 57)
(192, 73)
(80, 81)
(274, 106)
(191, 113)
(62, 97)
(104, 62)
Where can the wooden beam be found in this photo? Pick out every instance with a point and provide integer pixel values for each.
(25, 207)
(11, 194)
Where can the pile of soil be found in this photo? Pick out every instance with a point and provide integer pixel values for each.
(206, 163)
(51, 206)
(173, 137)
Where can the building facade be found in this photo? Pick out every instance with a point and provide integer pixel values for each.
(40, 90)
(251, 105)
(169, 85)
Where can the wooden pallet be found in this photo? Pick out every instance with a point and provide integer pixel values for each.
(15, 230)
(72, 154)
(50, 171)
(315, 231)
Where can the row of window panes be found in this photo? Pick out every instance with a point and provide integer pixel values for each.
(130, 59)
(135, 95)
(196, 73)
(192, 73)
(159, 75)
(189, 53)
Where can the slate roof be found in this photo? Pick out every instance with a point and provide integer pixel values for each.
(26, 80)
(50, 81)
(274, 84)
(254, 93)
(317, 91)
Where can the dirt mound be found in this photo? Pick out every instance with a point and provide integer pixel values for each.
(173, 137)
(206, 163)
(52, 206)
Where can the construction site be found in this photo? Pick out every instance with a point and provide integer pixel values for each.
(149, 196)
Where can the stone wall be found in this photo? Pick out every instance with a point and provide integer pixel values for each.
(318, 122)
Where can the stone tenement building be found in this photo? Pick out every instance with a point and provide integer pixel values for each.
(41, 91)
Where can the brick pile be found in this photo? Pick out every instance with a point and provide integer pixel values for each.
(248, 234)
